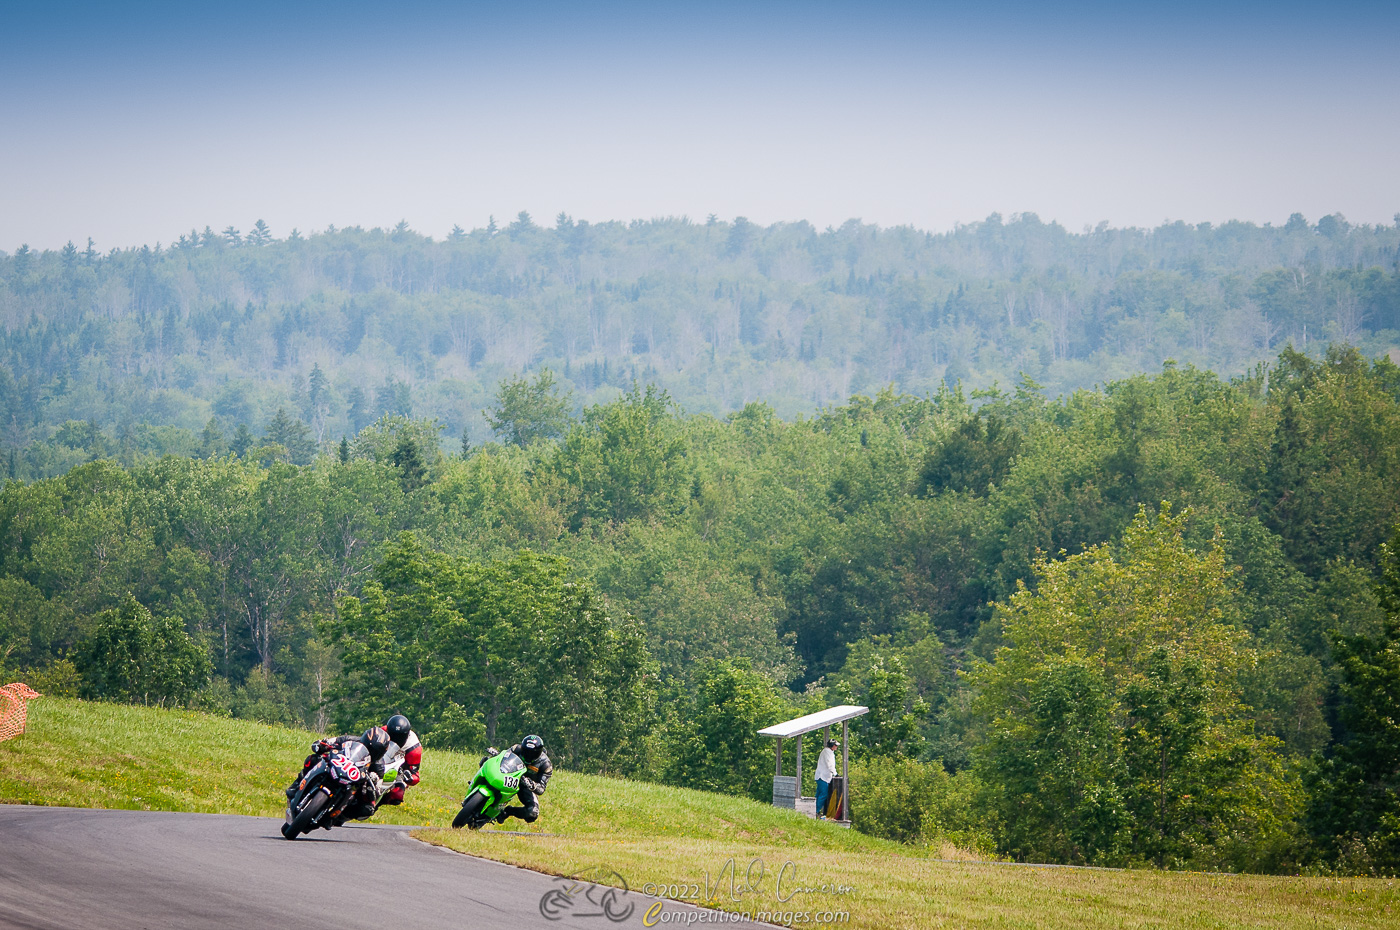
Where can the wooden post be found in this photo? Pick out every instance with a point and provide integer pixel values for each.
(778, 767)
(845, 773)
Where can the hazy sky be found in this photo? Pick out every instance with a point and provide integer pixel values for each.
(134, 122)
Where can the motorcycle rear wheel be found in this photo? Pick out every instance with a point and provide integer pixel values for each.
(301, 823)
(471, 811)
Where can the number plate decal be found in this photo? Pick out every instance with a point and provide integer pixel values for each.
(346, 766)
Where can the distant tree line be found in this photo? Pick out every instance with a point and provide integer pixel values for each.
(226, 340)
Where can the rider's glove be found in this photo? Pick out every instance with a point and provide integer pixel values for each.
(492, 751)
(320, 746)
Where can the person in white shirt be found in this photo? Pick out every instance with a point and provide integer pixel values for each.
(826, 771)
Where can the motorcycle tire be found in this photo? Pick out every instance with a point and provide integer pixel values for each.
(470, 814)
(301, 823)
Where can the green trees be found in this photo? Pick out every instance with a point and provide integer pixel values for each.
(891, 729)
(409, 461)
(1113, 725)
(32, 628)
(516, 645)
(246, 556)
(133, 656)
(1053, 770)
(529, 409)
(1354, 813)
(627, 459)
(716, 746)
(292, 436)
(381, 440)
(1325, 487)
(976, 456)
(698, 612)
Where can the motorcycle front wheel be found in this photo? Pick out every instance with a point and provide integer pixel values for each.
(301, 823)
(471, 810)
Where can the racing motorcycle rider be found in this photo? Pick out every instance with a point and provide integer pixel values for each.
(405, 755)
(376, 740)
(531, 752)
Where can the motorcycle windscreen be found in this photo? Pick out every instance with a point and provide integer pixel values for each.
(511, 763)
(358, 754)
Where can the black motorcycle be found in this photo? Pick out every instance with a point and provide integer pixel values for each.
(327, 789)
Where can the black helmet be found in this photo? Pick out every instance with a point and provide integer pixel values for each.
(398, 728)
(531, 747)
(376, 739)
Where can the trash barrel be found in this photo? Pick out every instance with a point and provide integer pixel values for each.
(835, 810)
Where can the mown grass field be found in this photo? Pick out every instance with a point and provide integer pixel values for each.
(101, 755)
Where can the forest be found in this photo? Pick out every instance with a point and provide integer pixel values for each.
(1136, 613)
(153, 345)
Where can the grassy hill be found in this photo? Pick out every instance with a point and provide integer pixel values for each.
(103, 755)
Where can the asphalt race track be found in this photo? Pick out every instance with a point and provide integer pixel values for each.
(146, 870)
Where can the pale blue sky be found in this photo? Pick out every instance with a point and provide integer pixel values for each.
(132, 123)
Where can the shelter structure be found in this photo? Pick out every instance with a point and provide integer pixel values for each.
(787, 789)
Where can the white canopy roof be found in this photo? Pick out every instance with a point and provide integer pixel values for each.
(822, 718)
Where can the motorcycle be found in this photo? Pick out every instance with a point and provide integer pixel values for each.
(495, 785)
(328, 788)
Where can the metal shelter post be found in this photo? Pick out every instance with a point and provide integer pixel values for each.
(778, 765)
(845, 774)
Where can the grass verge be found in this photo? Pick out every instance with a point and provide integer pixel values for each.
(82, 754)
(890, 890)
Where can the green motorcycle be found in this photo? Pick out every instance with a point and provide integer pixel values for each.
(496, 784)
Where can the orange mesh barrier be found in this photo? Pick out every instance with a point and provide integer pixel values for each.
(14, 708)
